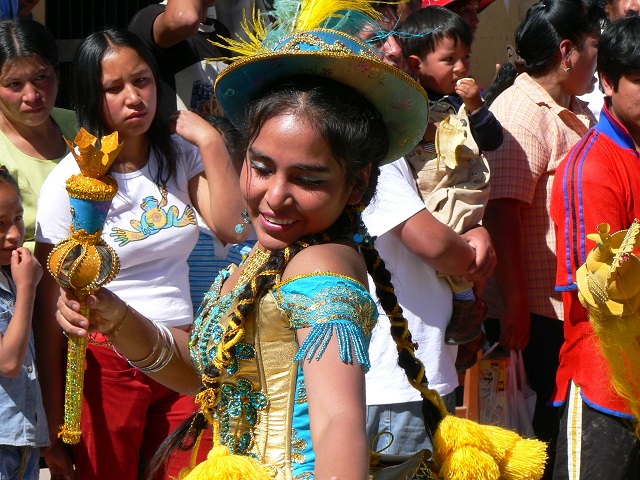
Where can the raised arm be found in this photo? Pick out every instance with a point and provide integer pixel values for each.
(216, 193)
(179, 21)
(26, 273)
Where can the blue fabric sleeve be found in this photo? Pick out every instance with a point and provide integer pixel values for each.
(486, 129)
(330, 304)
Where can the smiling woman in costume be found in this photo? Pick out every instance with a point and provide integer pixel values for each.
(280, 343)
(278, 351)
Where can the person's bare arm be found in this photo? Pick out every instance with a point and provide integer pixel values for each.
(436, 244)
(335, 392)
(137, 337)
(26, 273)
(25, 7)
(179, 22)
(216, 193)
(335, 389)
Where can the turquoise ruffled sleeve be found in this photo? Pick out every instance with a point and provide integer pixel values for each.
(330, 304)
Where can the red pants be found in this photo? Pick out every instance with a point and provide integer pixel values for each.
(126, 414)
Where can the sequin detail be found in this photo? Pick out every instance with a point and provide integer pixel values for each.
(301, 391)
(239, 403)
(298, 446)
(341, 307)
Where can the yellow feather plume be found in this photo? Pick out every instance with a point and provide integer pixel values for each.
(291, 16)
(314, 13)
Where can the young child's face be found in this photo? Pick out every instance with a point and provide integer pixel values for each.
(12, 229)
(439, 70)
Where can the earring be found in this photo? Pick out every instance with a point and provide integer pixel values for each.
(245, 221)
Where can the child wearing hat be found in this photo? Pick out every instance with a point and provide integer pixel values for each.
(450, 170)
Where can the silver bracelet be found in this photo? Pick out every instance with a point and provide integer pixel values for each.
(168, 346)
(135, 363)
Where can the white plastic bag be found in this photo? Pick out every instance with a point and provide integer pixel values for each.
(521, 398)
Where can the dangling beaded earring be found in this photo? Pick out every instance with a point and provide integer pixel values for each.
(245, 221)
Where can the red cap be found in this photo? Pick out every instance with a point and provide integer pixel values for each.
(482, 4)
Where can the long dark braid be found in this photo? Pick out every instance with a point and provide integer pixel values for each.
(433, 409)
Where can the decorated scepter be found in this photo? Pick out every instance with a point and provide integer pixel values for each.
(83, 261)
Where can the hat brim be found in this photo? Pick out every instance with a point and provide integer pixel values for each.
(401, 101)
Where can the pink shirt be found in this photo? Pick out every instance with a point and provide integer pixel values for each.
(538, 134)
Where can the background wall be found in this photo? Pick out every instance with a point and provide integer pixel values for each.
(72, 20)
(497, 27)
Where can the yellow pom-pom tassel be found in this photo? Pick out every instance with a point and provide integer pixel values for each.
(222, 465)
(454, 433)
(466, 449)
(501, 441)
(469, 462)
(526, 460)
(460, 448)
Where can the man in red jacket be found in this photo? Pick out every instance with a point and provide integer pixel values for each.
(597, 182)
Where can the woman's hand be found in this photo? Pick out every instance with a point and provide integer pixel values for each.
(107, 311)
(194, 129)
(59, 461)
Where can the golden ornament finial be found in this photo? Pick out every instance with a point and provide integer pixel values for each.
(94, 163)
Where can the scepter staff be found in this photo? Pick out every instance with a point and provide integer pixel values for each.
(83, 262)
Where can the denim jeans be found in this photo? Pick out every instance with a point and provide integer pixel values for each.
(405, 422)
(19, 463)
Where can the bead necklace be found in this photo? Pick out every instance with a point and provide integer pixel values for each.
(251, 264)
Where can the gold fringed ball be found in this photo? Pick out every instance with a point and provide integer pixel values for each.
(83, 262)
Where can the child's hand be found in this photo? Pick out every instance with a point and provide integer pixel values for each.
(470, 93)
(25, 269)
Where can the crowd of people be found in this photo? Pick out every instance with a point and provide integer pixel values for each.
(320, 216)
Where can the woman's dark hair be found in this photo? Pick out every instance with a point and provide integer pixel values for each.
(352, 127)
(7, 177)
(424, 29)
(618, 49)
(538, 37)
(22, 37)
(88, 96)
